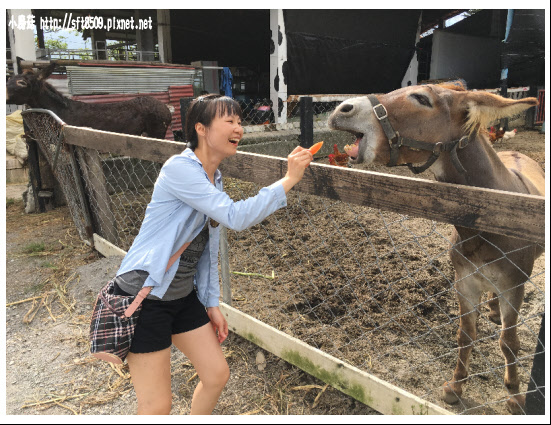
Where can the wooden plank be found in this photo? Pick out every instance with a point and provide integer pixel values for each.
(364, 387)
(27, 64)
(35, 177)
(96, 192)
(123, 144)
(370, 390)
(106, 248)
(511, 214)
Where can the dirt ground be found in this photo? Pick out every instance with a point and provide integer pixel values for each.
(376, 289)
(366, 286)
(51, 281)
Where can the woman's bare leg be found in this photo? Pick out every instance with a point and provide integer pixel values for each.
(203, 350)
(151, 379)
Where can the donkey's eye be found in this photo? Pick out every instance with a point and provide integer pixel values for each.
(422, 99)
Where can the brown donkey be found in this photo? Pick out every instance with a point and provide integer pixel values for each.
(442, 127)
(141, 116)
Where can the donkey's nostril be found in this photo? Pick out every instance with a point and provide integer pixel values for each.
(347, 107)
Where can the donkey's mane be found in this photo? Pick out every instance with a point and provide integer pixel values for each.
(455, 85)
(52, 92)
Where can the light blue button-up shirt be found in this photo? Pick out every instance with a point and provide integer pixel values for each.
(183, 200)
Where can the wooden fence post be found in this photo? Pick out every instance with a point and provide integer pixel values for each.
(306, 122)
(97, 194)
(225, 266)
(535, 399)
(34, 174)
(184, 106)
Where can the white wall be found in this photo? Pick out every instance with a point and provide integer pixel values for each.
(21, 39)
(475, 59)
(410, 77)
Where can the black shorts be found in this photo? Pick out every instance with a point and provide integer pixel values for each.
(159, 320)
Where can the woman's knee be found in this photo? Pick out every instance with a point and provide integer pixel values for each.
(226, 374)
(217, 377)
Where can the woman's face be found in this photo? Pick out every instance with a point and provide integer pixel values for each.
(224, 133)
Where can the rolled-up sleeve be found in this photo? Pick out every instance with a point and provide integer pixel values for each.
(180, 178)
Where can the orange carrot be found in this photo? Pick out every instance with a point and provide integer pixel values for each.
(315, 148)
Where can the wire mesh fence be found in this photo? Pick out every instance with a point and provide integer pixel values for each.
(47, 130)
(260, 112)
(372, 288)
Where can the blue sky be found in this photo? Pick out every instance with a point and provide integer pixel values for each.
(74, 40)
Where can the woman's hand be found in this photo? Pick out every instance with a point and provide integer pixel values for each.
(297, 161)
(218, 322)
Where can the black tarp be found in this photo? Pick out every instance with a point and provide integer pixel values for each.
(328, 51)
(523, 51)
(235, 37)
(348, 51)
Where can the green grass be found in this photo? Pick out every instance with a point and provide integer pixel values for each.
(9, 202)
(34, 248)
(48, 264)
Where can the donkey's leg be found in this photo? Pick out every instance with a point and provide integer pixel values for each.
(510, 344)
(468, 294)
(495, 313)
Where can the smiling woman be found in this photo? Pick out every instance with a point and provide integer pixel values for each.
(183, 215)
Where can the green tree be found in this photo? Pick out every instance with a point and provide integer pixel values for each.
(57, 43)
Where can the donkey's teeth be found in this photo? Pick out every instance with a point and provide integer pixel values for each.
(351, 150)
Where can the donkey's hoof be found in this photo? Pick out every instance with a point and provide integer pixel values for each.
(515, 404)
(451, 393)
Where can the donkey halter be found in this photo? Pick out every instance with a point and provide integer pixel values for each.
(396, 141)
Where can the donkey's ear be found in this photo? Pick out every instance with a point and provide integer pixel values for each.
(46, 72)
(483, 107)
(19, 68)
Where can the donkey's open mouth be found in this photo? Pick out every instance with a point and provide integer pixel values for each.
(352, 150)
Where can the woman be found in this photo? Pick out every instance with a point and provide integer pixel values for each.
(176, 252)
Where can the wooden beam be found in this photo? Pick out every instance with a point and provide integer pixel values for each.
(364, 387)
(147, 148)
(507, 213)
(106, 248)
(26, 64)
(511, 214)
(98, 197)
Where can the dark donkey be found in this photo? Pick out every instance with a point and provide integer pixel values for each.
(443, 127)
(141, 116)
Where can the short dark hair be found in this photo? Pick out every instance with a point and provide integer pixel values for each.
(203, 109)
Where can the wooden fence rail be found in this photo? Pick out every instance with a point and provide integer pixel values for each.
(382, 396)
(507, 213)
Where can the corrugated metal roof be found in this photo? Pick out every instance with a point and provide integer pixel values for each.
(169, 97)
(60, 83)
(98, 80)
(119, 97)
